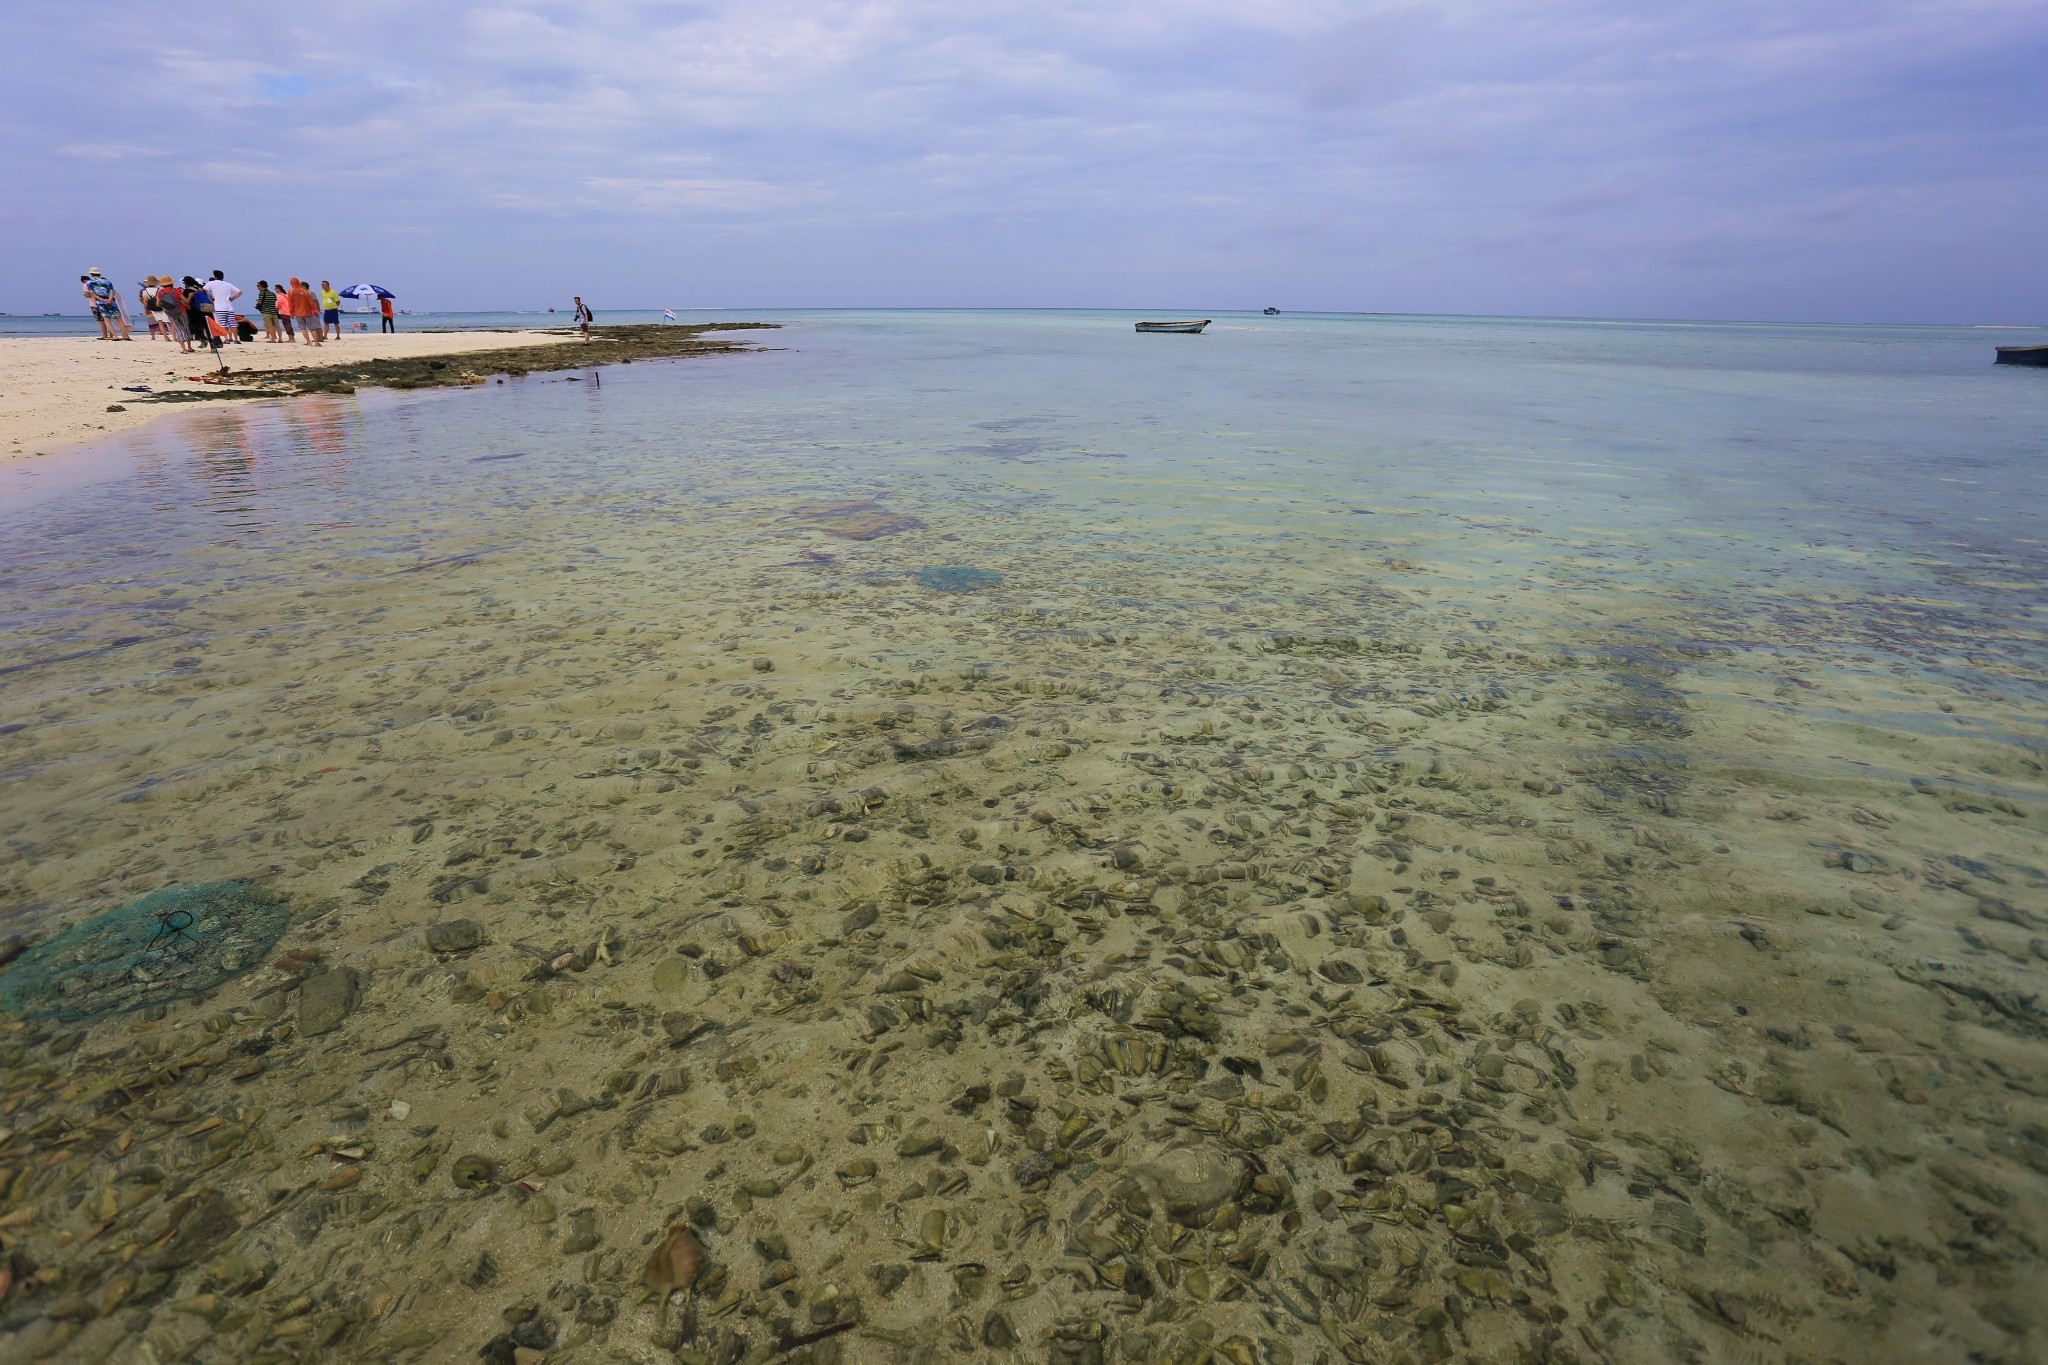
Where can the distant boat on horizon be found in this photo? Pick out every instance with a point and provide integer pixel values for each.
(1195, 326)
(1272, 312)
(2022, 355)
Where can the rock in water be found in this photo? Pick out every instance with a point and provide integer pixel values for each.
(325, 1000)
(675, 1263)
(1190, 1181)
(199, 1222)
(454, 936)
(858, 520)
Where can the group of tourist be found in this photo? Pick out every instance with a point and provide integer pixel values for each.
(285, 305)
(190, 310)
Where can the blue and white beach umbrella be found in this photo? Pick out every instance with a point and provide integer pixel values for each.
(669, 313)
(367, 292)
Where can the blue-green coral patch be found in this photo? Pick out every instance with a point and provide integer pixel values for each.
(954, 578)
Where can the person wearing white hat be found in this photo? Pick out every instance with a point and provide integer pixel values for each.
(105, 301)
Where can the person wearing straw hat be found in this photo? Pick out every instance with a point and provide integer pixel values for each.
(177, 319)
(152, 309)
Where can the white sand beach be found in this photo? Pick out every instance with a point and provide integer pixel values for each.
(56, 392)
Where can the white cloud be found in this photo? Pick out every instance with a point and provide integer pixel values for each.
(865, 139)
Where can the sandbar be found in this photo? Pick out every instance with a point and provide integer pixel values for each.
(58, 392)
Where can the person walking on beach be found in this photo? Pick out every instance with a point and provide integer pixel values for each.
(105, 301)
(390, 325)
(223, 296)
(308, 314)
(266, 308)
(330, 311)
(584, 318)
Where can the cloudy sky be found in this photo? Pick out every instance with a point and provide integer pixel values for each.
(1799, 159)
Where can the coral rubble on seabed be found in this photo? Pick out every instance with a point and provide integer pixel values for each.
(1035, 975)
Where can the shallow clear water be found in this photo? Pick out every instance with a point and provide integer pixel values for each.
(1659, 705)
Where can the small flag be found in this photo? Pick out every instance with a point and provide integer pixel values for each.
(669, 313)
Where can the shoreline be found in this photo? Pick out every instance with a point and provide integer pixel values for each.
(63, 392)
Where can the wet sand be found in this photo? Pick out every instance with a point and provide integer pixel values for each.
(738, 934)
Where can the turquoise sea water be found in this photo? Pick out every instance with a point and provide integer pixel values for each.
(1751, 467)
(1354, 837)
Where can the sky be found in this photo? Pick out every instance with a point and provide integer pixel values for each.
(1804, 160)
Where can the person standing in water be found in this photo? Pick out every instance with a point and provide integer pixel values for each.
(584, 318)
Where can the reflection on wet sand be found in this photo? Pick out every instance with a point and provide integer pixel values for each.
(843, 920)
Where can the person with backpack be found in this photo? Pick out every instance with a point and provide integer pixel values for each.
(147, 297)
(266, 307)
(199, 312)
(584, 317)
(177, 319)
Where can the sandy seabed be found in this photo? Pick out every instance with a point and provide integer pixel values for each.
(733, 946)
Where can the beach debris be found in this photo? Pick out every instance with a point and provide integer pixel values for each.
(172, 944)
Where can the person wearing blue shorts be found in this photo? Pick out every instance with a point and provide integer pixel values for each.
(106, 306)
(330, 311)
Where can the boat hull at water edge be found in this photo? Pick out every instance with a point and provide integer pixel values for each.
(1195, 326)
(2023, 355)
